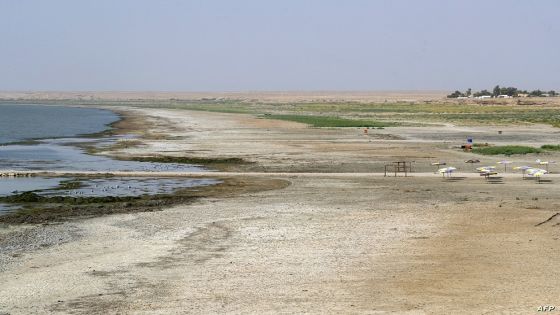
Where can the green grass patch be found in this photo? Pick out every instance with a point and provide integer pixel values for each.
(551, 147)
(328, 121)
(481, 145)
(506, 150)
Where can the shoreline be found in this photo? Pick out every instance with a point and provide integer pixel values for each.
(127, 123)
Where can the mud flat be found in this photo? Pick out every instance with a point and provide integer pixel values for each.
(322, 244)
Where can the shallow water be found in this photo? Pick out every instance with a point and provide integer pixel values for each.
(4, 208)
(51, 156)
(97, 187)
(20, 122)
(9, 186)
(122, 187)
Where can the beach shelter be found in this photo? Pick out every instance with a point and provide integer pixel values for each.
(546, 163)
(523, 169)
(504, 163)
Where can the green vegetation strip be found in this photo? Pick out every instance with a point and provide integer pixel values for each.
(326, 121)
(551, 147)
(506, 150)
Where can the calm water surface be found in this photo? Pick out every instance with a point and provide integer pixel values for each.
(49, 155)
(9, 186)
(25, 122)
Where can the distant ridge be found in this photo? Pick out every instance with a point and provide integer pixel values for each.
(265, 96)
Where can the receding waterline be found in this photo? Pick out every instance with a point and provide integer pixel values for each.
(56, 150)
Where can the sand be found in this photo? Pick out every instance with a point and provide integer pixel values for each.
(324, 244)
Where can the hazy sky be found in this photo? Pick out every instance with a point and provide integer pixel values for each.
(227, 45)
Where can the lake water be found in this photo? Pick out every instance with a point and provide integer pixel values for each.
(58, 128)
(9, 186)
(55, 155)
(25, 122)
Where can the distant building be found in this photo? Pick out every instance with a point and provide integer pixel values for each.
(504, 96)
(484, 96)
(522, 95)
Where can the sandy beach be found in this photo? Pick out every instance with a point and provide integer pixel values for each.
(341, 243)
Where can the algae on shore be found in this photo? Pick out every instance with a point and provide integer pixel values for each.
(40, 209)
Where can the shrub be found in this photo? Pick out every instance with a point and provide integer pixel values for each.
(551, 147)
(327, 121)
